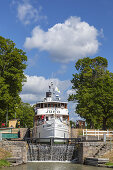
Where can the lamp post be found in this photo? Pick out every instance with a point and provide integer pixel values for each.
(15, 112)
(7, 117)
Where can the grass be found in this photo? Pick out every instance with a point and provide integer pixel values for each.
(3, 155)
(109, 163)
(4, 163)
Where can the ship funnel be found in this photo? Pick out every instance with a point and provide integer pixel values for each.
(48, 94)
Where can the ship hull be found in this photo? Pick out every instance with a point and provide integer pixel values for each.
(52, 129)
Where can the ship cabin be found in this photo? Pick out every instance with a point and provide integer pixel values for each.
(48, 110)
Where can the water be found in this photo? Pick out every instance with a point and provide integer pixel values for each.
(43, 152)
(53, 166)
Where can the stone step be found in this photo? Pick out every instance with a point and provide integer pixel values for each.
(14, 160)
(96, 161)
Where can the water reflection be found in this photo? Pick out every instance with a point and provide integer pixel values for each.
(53, 166)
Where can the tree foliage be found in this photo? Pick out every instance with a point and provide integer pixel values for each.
(72, 124)
(25, 113)
(12, 65)
(94, 92)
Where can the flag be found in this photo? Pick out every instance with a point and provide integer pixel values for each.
(57, 90)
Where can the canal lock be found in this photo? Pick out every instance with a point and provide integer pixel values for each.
(51, 152)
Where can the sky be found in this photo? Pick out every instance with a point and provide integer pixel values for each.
(55, 34)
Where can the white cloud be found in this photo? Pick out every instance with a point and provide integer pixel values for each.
(35, 88)
(70, 91)
(66, 41)
(27, 13)
(29, 98)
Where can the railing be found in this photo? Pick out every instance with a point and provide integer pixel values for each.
(9, 130)
(9, 133)
(97, 133)
(54, 140)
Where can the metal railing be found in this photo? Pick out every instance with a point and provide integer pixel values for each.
(53, 140)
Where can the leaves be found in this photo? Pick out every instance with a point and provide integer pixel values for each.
(94, 91)
(12, 65)
(25, 113)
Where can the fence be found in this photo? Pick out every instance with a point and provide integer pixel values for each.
(8, 133)
(98, 133)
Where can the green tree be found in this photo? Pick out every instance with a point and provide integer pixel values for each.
(94, 92)
(25, 113)
(72, 124)
(12, 65)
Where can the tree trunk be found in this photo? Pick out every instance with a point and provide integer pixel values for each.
(104, 123)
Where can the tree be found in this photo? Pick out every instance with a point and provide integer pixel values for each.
(94, 92)
(72, 124)
(25, 113)
(12, 65)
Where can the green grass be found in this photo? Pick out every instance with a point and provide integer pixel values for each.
(109, 163)
(4, 163)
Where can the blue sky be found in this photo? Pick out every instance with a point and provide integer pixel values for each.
(55, 34)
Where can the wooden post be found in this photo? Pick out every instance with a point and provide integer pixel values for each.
(86, 134)
(95, 132)
(83, 132)
(98, 134)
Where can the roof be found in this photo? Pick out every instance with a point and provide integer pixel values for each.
(51, 102)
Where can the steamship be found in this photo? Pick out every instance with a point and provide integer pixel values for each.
(51, 118)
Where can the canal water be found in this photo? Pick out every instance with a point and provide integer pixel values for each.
(53, 166)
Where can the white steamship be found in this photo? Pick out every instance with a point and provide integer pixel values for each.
(51, 117)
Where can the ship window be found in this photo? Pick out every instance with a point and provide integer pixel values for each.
(41, 105)
(55, 105)
(45, 105)
(49, 105)
(38, 105)
(59, 105)
(62, 105)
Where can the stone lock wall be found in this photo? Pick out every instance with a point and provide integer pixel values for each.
(18, 149)
(56, 152)
(92, 149)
